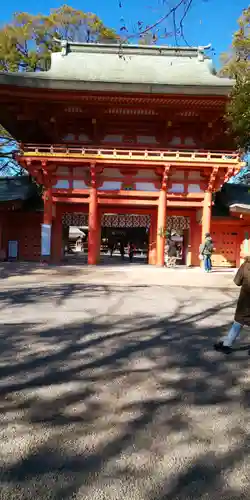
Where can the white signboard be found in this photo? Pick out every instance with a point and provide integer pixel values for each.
(46, 240)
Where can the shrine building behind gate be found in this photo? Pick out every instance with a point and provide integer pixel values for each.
(127, 136)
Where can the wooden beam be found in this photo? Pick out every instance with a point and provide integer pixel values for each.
(107, 201)
(128, 210)
(182, 204)
(188, 196)
(83, 193)
(106, 194)
(133, 197)
(142, 203)
(130, 202)
(127, 194)
(67, 199)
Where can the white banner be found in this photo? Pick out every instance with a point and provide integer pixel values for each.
(46, 240)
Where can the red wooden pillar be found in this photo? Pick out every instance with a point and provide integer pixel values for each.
(98, 236)
(94, 222)
(193, 249)
(162, 219)
(152, 240)
(57, 238)
(161, 227)
(48, 206)
(46, 228)
(206, 215)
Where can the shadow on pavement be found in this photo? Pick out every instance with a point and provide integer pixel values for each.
(69, 267)
(121, 406)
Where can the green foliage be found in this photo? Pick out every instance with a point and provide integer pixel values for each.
(237, 62)
(7, 143)
(237, 65)
(8, 148)
(238, 113)
(26, 43)
(4, 134)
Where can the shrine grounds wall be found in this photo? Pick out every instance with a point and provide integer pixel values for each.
(25, 228)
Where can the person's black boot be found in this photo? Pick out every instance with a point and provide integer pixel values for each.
(222, 348)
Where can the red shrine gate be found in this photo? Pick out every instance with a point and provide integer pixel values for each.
(181, 184)
(139, 134)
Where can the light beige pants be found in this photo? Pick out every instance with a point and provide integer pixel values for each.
(170, 261)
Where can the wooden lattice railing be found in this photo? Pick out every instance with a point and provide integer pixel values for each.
(112, 153)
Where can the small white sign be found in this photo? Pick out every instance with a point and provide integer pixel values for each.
(46, 240)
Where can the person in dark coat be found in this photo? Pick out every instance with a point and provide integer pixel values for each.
(206, 250)
(242, 313)
(111, 248)
(131, 250)
(122, 250)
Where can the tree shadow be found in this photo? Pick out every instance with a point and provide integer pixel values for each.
(68, 268)
(123, 406)
(56, 293)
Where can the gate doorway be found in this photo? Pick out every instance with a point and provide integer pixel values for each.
(75, 236)
(118, 231)
(125, 238)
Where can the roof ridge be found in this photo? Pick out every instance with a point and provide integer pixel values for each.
(195, 51)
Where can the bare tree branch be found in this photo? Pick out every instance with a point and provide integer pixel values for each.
(172, 12)
(176, 14)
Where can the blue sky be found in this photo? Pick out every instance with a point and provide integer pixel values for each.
(208, 21)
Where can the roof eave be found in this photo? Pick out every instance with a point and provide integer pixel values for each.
(44, 81)
(240, 208)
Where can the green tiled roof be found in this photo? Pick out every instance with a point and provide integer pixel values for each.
(17, 188)
(229, 195)
(130, 68)
(233, 193)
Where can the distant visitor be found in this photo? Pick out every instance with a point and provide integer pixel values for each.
(206, 250)
(131, 251)
(170, 253)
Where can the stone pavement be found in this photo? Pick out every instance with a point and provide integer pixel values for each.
(18, 274)
(114, 392)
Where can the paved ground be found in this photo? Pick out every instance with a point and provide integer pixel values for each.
(113, 391)
(16, 274)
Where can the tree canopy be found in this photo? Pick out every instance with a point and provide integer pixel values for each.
(237, 65)
(8, 149)
(238, 113)
(236, 62)
(26, 42)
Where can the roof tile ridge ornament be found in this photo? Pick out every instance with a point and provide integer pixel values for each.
(201, 51)
(64, 46)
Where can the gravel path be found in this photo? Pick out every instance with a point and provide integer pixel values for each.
(114, 392)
